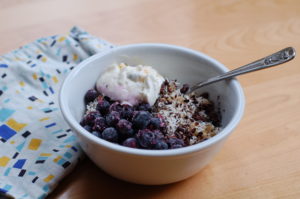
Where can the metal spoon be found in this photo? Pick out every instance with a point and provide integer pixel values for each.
(277, 58)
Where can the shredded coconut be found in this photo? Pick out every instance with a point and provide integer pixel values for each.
(183, 114)
(91, 107)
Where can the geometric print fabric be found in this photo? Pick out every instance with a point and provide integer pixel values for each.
(37, 148)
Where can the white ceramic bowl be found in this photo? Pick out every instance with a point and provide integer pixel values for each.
(142, 166)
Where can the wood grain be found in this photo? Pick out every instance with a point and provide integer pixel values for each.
(261, 159)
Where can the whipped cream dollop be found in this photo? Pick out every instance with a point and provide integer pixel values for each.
(130, 84)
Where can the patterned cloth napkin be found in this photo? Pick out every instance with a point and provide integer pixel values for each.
(37, 148)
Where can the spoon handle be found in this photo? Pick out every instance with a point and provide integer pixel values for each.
(277, 58)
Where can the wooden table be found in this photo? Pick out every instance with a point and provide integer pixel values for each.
(262, 157)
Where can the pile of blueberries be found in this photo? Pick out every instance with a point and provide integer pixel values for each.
(132, 126)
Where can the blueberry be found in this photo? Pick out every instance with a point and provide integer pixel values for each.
(127, 111)
(82, 122)
(175, 143)
(90, 117)
(99, 124)
(158, 135)
(184, 88)
(161, 145)
(96, 133)
(110, 134)
(116, 106)
(112, 118)
(156, 123)
(88, 128)
(130, 142)
(141, 120)
(125, 128)
(103, 106)
(146, 138)
(90, 95)
(144, 107)
(108, 99)
(135, 112)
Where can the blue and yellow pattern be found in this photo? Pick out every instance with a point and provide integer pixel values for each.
(37, 146)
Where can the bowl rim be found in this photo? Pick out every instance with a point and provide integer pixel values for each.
(146, 152)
